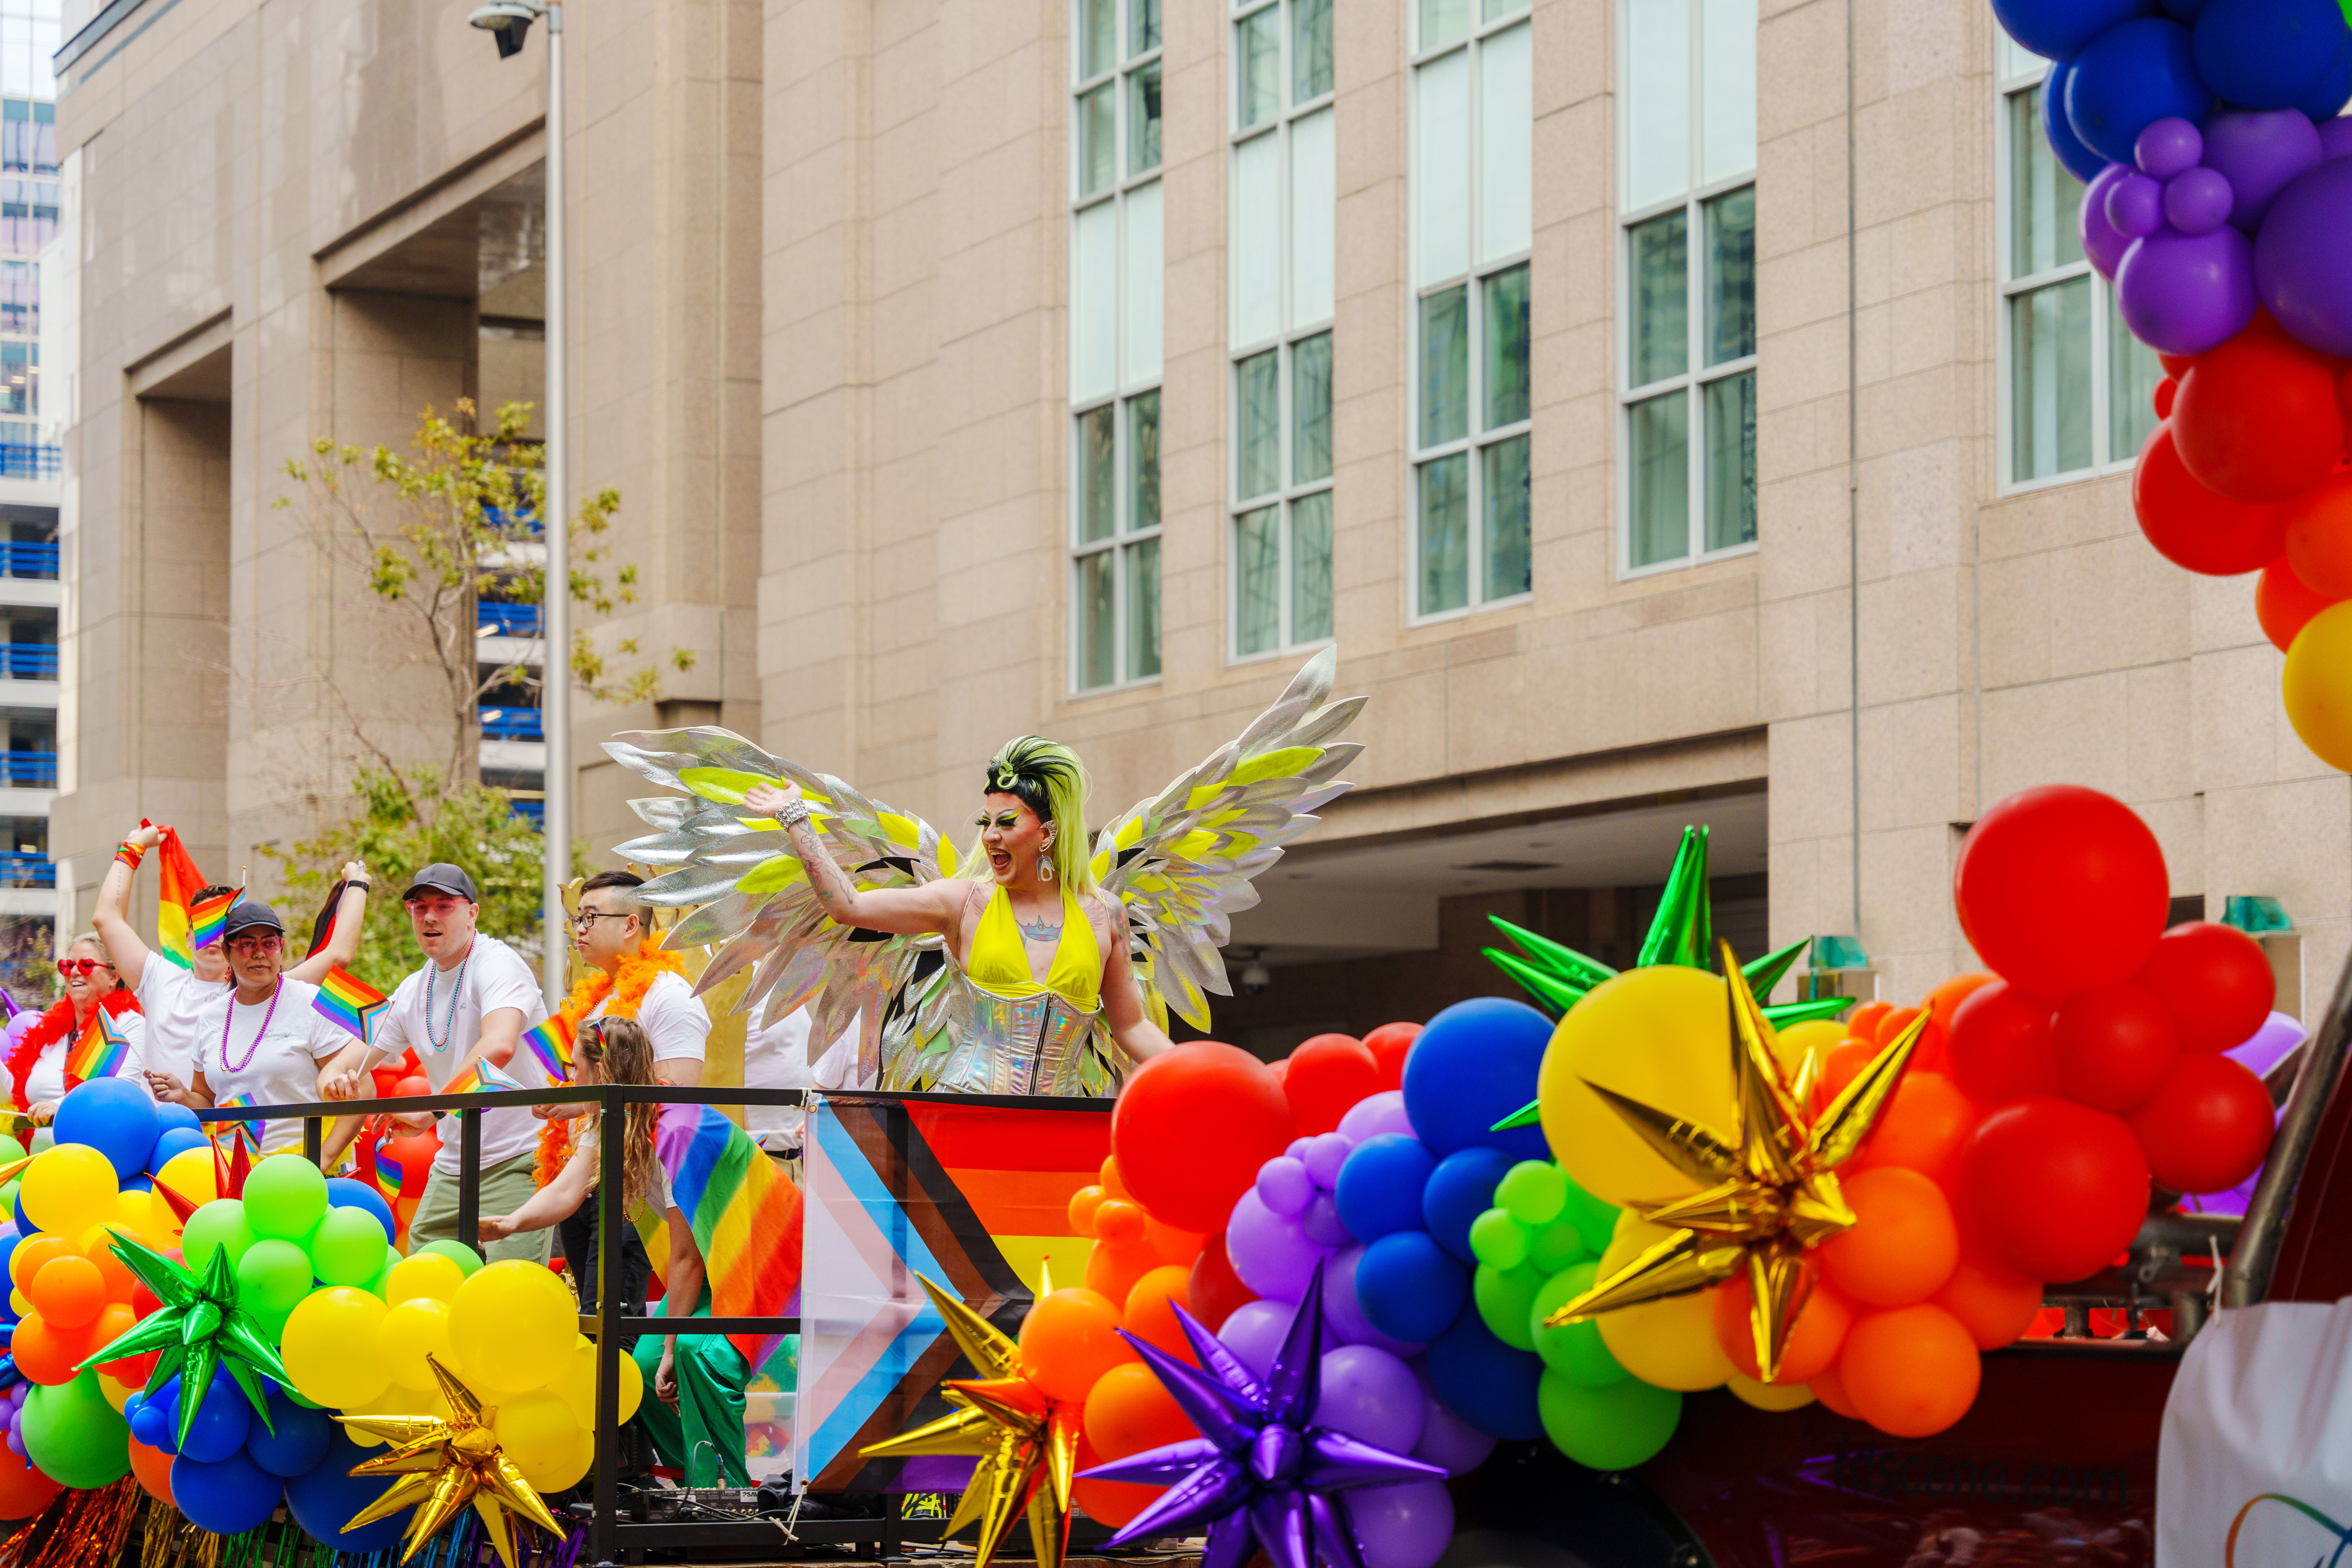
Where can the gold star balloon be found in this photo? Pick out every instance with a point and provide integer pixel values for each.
(443, 1466)
(1027, 1444)
(1767, 1192)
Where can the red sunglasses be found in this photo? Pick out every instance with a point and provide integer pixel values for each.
(73, 966)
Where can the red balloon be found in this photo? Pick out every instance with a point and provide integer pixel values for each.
(1328, 1073)
(2320, 536)
(2209, 1127)
(1215, 1290)
(2216, 982)
(2166, 391)
(2282, 603)
(1389, 1043)
(2000, 1046)
(1192, 1126)
(2059, 887)
(2197, 528)
(2052, 1189)
(2256, 418)
(24, 1491)
(2115, 1046)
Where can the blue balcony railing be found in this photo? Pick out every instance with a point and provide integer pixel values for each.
(19, 460)
(512, 724)
(29, 868)
(29, 559)
(507, 620)
(38, 661)
(504, 518)
(28, 769)
(531, 811)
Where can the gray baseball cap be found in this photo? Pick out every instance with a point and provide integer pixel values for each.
(442, 878)
(247, 913)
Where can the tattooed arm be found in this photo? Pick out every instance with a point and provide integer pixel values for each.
(933, 906)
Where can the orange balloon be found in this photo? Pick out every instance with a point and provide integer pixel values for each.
(68, 1292)
(46, 1353)
(119, 1281)
(32, 1252)
(1150, 1310)
(1069, 1340)
(1119, 1222)
(24, 1491)
(1170, 1244)
(1111, 1185)
(115, 1320)
(153, 1468)
(1945, 1000)
(1107, 1502)
(1829, 1387)
(1863, 1022)
(1924, 1128)
(1082, 1204)
(1994, 1305)
(1113, 1268)
(1129, 1411)
(1847, 1058)
(2319, 538)
(1904, 1244)
(1813, 1338)
(1911, 1372)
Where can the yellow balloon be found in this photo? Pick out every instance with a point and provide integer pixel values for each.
(117, 1394)
(431, 1276)
(537, 1431)
(576, 1384)
(135, 1211)
(2317, 686)
(329, 1348)
(633, 1385)
(1768, 1396)
(568, 1474)
(1799, 1041)
(1659, 1035)
(18, 1304)
(189, 1174)
(68, 1189)
(512, 1324)
(410, 1330)
(1671, 1342)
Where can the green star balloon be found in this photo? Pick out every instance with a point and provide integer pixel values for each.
(199, 1327)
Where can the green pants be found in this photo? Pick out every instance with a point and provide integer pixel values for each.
(505, 1187)
(704, 1436)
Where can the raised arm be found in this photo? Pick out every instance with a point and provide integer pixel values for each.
(903, 911)
(548, 1205)
(343, 945)
(113, 916)
(1123, 1009)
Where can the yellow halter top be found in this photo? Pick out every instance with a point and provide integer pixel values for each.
(999, 961)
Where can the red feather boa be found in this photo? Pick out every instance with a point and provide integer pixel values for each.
(55, 1025)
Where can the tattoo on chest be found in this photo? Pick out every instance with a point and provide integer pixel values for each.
(1040, 929)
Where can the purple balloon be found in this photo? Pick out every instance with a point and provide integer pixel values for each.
(1254, 1331)
(2103, 242)
(1446, 1438)
(2259, 153)
(16, 1442)
(2136, 205)
(2183, 294)
(1375, 1114)
(1321, 1223)
(2300, 257)
(2335, 142)
(1344, 1315)
(2257, 1053)
(1297, 1148)
(1271, 1254)
(1406, 1526)
(2168, 147)
(1284, 1186)
(1370, 1393)
(1325, 1152)
(2198, 201)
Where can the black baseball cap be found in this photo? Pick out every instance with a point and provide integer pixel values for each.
(442, 878)
(246, 913)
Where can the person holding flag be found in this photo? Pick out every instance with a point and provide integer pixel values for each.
(76, 1032)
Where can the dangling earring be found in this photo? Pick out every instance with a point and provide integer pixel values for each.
(1045, 867)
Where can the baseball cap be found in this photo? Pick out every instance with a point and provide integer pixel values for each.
(246, 913)
(442, 878)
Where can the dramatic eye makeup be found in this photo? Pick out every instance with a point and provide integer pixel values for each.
(1009, 819)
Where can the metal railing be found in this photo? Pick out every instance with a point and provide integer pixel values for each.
(27, 868)
(28, 660)
(495, 618)
(512, 724)
(29, 558)
(28, 769)
(21, 460)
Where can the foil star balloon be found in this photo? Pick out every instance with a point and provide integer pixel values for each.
(200, 1327)
(1027, 1444)
(1768, 1192)
(444, 1466)
(1261, 1474)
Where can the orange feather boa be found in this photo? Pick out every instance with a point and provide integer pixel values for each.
(626, 992)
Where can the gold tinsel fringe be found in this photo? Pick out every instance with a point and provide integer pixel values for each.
(77, 1530)
(170, 1542)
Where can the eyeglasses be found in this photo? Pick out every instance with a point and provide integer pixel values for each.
(586, 918)
(263, 945)
(69, 967)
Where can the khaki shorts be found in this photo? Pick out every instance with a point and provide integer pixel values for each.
(505, 1187)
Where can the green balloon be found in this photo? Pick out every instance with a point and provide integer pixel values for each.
(1575, 1350)
(1504, 1296)
(468, 1259)
(385, 1266)
(348, 1247)
(1612, 1428)
(8, 1195)
(272, 1278)
(73, 1436)
(1594, 1220)
(1534, 1191)
(218, 1224)
(1497, 1240)
(284, 1198)
(1554, 1246)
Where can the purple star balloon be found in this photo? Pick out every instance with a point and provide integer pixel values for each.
(1259, 1474)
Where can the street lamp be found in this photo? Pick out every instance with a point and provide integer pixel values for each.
(507, 21)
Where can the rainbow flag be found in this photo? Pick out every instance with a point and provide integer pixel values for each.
(255, 1131)
(349, 1002)
(479, 1077)
(745, 1214)
(181, 881)
(551, 1043)
(209, 921)
(100, 1051)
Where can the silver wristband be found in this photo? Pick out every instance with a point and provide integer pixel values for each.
(794, 815)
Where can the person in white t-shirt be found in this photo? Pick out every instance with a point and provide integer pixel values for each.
(260, 1041)
(39, 1066)
(169, 996)
(778, 1058)
(470, 1002)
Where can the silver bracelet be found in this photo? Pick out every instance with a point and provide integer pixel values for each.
(794, 815)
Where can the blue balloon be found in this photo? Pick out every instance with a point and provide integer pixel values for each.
(2061, 30)
(227, 1497)
(2182, 11)
(137, 1184)
(1460, 1190)
(175, 1141)
(150, 1421)
(1380, 1186)
(301, 1439)
(163, 1406)
(343, 1193)
(1409, 1287)
(2064, 145)
(2136, 75)
(113, 1116)
(2326, 102)
(323, 1498)
(2268, 53)
(1474, 1065)
(1486, 1382)
(24, 1226)
(224, 1418)
(9, 1237)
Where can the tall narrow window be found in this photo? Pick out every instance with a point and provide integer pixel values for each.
(2076, 388)
(1280, 264)
(1687, 200)
(1472, 215)
(1115, 305)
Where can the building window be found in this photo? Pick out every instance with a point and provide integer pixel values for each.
(2076, 388)
(30, 32)
(1687, 204)
(1473, 213)
(1280, 259)
(1115, 316)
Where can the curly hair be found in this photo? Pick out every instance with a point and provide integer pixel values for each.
(1046, 777)
(622, 1053)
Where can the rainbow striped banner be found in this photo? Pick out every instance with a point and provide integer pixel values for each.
(101, 1050)
(350, 1003)
(551, 1045)
(745, 1214)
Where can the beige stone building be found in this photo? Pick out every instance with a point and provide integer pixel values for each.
(1676, 411)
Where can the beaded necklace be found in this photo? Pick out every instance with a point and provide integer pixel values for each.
(259, 1034)
(456, 990)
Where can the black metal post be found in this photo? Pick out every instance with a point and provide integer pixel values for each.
(611, 1139)
(469, 1178)
(313, 1138)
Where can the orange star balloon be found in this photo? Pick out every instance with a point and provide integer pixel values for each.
(1027, 1444)
(1767, 1192)
(443, 1466)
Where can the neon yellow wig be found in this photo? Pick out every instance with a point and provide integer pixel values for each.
(1049, 780)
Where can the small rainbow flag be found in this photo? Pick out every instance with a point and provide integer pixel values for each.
(384, 1168)
(209, 921)
(349, 1002)
(100, 1051)
(255, 1131)
(180, 879)
(479, 1077)
(551, 1045)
